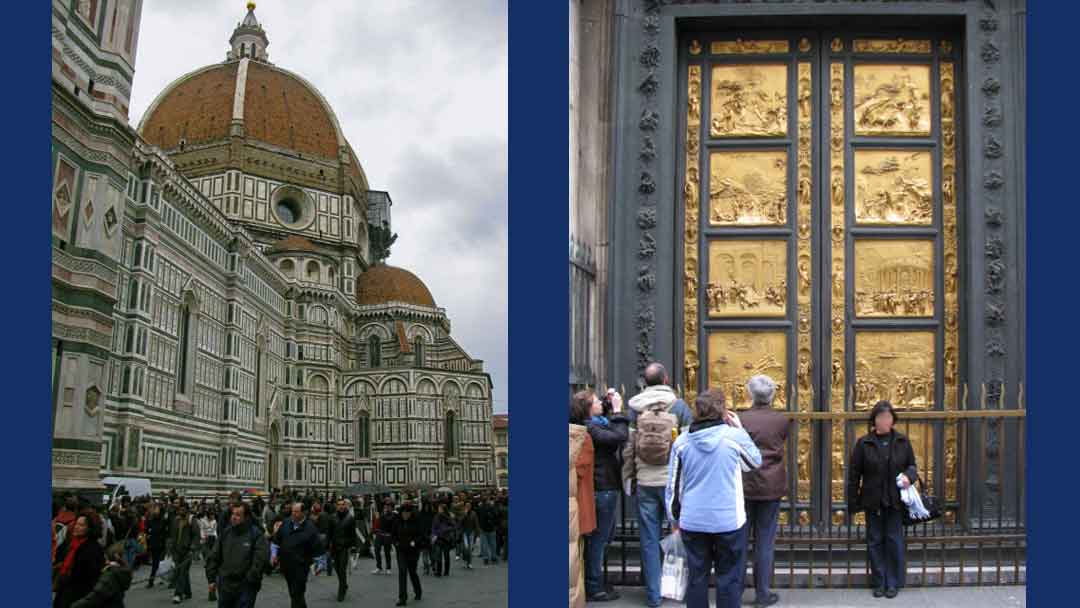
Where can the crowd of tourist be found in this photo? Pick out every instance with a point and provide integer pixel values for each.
(98, 550)
(717, 478)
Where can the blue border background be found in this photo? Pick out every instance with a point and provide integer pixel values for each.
(539, 303)
(1053, 223)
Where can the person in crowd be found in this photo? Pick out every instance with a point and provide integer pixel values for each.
(426, 515)
(298, 546)
(112, 584)
(442, 536)
(342, 540)
(656, 415)
(764, 486)
(470, 530)
(381, 525)
(409, 540)
(582, 501)
(156, 528)
(64, 518)
(78, 563)
(609, 429)
(502, 533)
(705, 502)
(207, 531)
(184, 543)
(321, 520)
(361, 509)
(489, 520)
(880, 460)
(235, 565)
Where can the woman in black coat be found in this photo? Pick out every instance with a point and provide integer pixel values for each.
(880, 460)
(609, 430)
(78, 563)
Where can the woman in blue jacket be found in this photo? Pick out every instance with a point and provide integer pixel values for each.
(705, 501)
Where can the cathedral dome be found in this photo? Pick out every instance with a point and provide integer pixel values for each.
(382, 284)
(274, 106)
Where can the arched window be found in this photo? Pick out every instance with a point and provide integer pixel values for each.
(418, 349)
(312, 273)
(300, 429)
(243, 50)
(133, 294)
(330, 275)
(286, 468)
(450, 435)
(299, 470)
(185, 339)
(287, 268)
(363, 435)
(374, 351)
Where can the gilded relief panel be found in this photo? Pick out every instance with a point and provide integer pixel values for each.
(749, 100)
(735, 356)
(894, 278)
(747, 278)
(893, 187)
(748, 188)
(892, 99)
(894, 365)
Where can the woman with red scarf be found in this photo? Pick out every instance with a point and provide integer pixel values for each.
(78, 563)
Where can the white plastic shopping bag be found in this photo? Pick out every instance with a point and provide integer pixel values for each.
(675, 574)
(165, 568)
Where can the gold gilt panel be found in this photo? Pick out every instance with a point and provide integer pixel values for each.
(952, 299)
(894, 187)
(749, 100)
(837, 203)
(748, 47)
(691, 208)
(921, 435)
(735, 356)
(894, 278)
(894, 365)
(895, 45)
(892, 99)
(747, 278)
(748, 188)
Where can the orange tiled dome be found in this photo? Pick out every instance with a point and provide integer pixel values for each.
(381, 284)
(279, 108)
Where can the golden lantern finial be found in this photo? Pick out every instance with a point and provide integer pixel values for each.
(251, 6)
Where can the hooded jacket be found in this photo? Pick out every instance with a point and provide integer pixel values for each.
(709, 489)
(633, 468)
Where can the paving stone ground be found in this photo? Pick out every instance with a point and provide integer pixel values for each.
(484, 586)
(928, 597)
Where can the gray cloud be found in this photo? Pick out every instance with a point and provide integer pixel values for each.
(420, 89)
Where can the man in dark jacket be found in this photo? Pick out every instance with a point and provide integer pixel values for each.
(298, 546)
(157, 535)
(609, 430)
(235, 565)
(763, 487)
(488, 519)
(410, 540)
(184, 536)
(342, 540)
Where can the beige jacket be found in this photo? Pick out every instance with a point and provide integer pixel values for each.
(578, 436)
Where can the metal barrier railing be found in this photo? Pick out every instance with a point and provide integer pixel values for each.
(971, 459)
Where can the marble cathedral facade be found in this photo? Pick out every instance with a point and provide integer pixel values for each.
(219, 322)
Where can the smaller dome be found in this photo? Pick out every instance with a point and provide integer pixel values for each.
(293, 242)
(382, 284)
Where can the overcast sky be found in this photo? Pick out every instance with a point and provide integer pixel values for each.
(420, 89)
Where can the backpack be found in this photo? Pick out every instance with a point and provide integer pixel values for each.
(654, 435)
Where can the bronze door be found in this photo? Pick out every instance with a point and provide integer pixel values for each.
(820, 238)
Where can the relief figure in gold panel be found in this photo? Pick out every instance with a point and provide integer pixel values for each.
(893, 187)
(735, 357)
(895, 366)
(892, 99)
(894, 278)
(748, 188)
(747, 278)
(749, 100)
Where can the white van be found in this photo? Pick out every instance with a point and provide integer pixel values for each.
(117, 487)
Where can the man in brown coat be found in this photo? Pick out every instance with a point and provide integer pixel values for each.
(764, 486)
